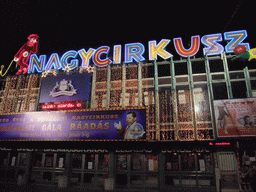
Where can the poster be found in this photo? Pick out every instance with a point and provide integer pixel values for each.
(119, 123)
(235, 117)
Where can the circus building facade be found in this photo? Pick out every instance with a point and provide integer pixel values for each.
(120, 119)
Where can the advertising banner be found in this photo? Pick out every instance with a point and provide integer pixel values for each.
(235, 117)
(110, 124)
(75, 87)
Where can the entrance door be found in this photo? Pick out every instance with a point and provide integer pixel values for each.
(136, 171)
(227, 175)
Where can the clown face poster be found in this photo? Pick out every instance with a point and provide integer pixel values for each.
(235, 117)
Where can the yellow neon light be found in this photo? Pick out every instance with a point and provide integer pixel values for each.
(210, 38)
(2, 67)
(240, 36)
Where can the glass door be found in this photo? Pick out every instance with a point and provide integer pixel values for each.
(136, 170)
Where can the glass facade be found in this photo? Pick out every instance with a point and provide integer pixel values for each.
(179, 96)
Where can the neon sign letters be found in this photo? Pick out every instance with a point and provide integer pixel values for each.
(135, 52)
(64, 106)
(220, 144)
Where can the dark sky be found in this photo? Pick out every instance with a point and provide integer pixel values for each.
(72, 25)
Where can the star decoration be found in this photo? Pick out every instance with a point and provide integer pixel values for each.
(52, 71)
(66, 68)
(86, 69)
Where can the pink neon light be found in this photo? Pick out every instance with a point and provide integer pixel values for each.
(62, 106)
(222, 143)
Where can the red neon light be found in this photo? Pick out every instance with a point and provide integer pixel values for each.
(61, 106)
(222, 143)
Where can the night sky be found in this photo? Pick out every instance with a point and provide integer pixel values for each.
(73, 25)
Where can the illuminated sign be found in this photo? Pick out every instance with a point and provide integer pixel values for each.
(75, 87)
(100, 124)
(219, 144)
(61, 106)
(135, 52)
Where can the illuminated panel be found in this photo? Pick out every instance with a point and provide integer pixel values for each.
(73, 63)
(85, 56)
(158, 49)
(53, 62)
(236, 38)
(61, 106)
(187, 52)
(212, 47)
(36, 64)
(96, 58)
(220, 144)
(134, 51)
(117, 54)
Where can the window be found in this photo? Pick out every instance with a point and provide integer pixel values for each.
(216, 65)
(116, 73)
(136, 180)
(164, 70)
(147, 71)
(253, 85)
(166, 107)
(239, 89)
(103, 162)
(205, 162)
(220, 91)
(151, 161)
(2, 84)
(137, 161)
(184, 104)
(75, 179)
(172, 162)
(61, 160)
(4, 158)
(198, 67)
(235, 64)
(185, 114)
(13, 159)
(200, 77)
(236, 75)
(22, 159)
(202, 162)
(188, 162)
(121, 162)
(49, 160)
(101, 74)
(37, 160)
(132, 72)
(202, 105)
(77, 160)
(89, 161)
(181, 68)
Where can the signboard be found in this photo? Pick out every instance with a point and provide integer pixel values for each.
(75, 87)
(110, 124)
(236, 117)
(135, 52)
